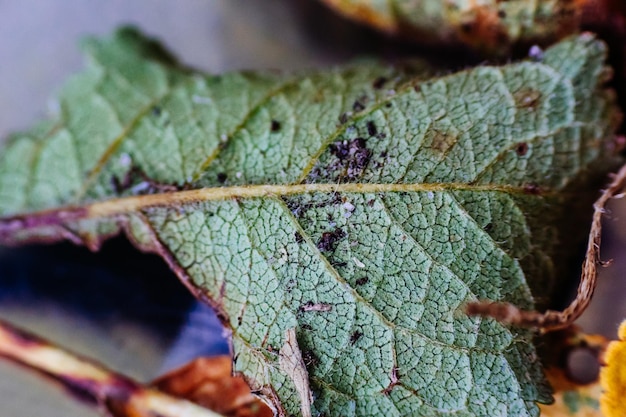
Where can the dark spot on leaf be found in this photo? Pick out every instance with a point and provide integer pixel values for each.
(362, 281)
(371, 128)
(353, 157)
(388, 104)
(275, 126)
(371, 202)
(355, 336)
(379, 82)
(343, 118)
(527, 98)
(521, 149)
(358, 106)
(316, 307)
(489, 227)
(306, 326)
(221, 177)
(156, 111)
(328, 241)
(298, 237)
(501, 14)
(532, 189)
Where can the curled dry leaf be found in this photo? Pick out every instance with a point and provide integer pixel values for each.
(364, 207)
(489, 25)
(210, 383)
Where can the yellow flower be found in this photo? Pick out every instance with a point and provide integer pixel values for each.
(613, 377)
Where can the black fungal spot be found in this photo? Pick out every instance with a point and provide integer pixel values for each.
(355, 336)
(156, 111)
(371, 202)
(221, 177)
(306, 326)
(328, 241)
(521, 149)
(379, 83)
(388, 104)
(353, 156)
(358, 106)
(371, 128)
(343, 118)
(275, 126)
(298, 236)
(362, 281)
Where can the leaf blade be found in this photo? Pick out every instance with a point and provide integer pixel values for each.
(363, 216)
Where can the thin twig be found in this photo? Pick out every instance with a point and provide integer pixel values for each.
(553, 320)
(114, 393)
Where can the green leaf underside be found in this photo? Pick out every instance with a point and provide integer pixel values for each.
(464, 179)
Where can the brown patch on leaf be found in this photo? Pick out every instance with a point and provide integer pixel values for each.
(209, 382)
(442, 141)
(527, 98)
(361, 11)
(484, 27)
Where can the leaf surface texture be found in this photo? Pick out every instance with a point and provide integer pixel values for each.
(362, 207)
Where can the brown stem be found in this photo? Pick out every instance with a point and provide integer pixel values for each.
(116, 394)
(553, 320)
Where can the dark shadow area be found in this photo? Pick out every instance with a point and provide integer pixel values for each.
(116, 285)
(343, 38)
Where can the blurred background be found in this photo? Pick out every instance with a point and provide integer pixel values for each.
(126, 308)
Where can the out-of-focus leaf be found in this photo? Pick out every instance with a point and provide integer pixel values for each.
(573, 396)
(358, 209)
(490, 25)
(210, 383)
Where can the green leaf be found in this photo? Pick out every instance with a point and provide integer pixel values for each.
(359, 207)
